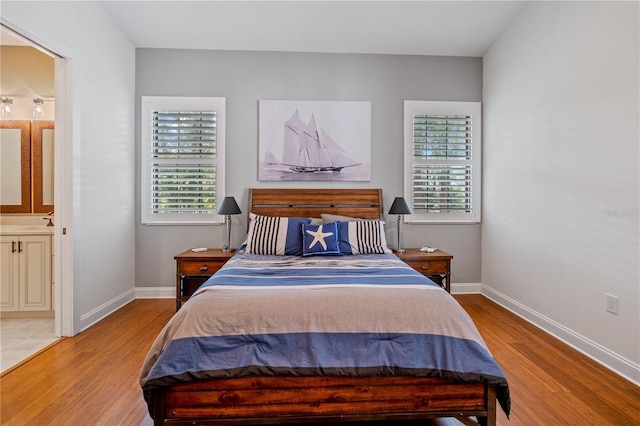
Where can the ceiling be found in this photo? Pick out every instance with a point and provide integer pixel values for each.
(448, 28)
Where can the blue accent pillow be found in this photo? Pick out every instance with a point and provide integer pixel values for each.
(320, 239)
(343, 238)
(276, 236)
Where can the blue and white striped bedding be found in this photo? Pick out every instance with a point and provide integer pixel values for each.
(321, 315)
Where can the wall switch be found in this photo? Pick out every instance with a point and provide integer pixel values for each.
(612, 304)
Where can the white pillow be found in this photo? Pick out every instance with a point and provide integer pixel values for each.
(359, 236)
(275, 235)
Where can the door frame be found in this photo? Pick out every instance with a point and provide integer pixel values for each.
(63, 190)
(65, 321)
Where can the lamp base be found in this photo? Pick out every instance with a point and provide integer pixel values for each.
(227, 249)
(401, 251)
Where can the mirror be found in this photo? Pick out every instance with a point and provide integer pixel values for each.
(26, 166)
(42, 171)
(15, 167)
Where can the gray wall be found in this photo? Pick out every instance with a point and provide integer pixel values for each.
(246, 77)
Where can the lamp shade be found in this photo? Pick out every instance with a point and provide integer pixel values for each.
(400, 206)
(229, 206)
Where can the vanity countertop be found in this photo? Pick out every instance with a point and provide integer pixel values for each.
(26, 230)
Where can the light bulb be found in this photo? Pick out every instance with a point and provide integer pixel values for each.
(38, 107)
(6, 107)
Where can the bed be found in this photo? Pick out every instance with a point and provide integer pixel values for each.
(320, 330)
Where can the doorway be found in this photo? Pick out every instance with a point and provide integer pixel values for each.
(60, 103)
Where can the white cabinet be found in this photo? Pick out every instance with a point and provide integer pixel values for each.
(25, 273)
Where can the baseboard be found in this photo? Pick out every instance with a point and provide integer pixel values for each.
(106, 309)
(466, 288)
(155, 292)
(609, 359)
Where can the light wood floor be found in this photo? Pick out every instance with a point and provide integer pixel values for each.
(92, 378)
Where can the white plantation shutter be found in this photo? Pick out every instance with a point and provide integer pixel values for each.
(183, 167)
(442, 161)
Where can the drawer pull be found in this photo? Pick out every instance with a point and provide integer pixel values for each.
(204, 268)
(425, 267)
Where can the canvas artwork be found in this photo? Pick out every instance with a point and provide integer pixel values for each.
(314, 141)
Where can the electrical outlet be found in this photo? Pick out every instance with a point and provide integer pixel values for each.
(612, 304)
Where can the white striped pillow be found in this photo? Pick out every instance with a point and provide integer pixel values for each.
(362, 237)
(276, 236)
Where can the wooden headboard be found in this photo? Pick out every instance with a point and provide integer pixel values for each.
(307, 202)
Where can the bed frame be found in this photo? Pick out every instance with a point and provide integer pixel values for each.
(324, 399)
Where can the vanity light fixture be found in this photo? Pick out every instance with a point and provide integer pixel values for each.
(38, 107)
(6, 107)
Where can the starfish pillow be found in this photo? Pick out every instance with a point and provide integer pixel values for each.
(320, 239)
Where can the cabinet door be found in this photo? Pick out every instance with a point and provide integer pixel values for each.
(35, 273)
(9, 271)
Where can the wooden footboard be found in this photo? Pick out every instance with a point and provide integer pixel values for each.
(278, 399)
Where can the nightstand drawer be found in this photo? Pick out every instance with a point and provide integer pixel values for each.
(200, 267)
(435, 264)
(195, 267)
(433, 267)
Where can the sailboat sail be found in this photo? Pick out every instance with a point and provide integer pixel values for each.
(293, 129)
(311, 144)
(334, 154)
(270, 158)
(308, 150)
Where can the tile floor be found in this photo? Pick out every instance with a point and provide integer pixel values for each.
(21, 338)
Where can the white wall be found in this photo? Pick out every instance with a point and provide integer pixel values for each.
(561, 171)
(100, 212)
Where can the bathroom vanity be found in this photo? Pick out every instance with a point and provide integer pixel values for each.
(26, 278)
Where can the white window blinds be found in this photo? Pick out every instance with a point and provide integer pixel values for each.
(442, 161)
(184, 139)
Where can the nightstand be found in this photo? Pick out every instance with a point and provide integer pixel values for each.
(193, 269)
(436, 265)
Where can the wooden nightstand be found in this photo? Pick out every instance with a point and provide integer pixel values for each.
(192, 269)
(436, 265)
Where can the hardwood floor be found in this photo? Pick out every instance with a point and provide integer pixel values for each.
(550, 382)
(92, 379)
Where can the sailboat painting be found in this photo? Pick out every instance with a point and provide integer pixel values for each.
(315, 141)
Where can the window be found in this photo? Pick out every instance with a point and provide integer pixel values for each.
(182, 153)
(442, 161)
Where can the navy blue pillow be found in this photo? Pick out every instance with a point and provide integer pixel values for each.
(320, 239)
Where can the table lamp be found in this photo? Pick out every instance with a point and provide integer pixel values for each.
(400, 207)
(228, 207)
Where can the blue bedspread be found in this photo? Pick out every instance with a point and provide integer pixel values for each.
(343, 315)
